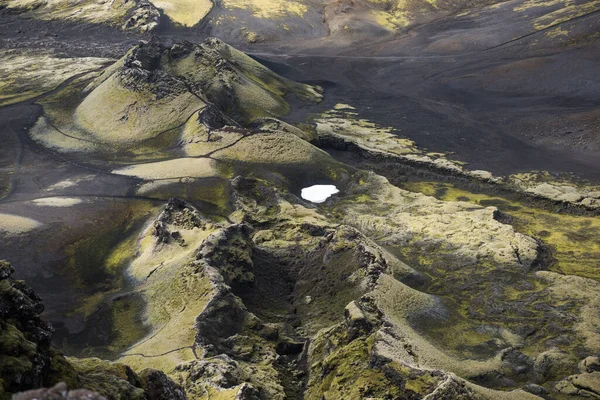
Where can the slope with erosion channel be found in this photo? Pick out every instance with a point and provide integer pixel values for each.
(238, 288)
(142, 103)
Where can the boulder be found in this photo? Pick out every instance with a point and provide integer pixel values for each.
(589, 364)
(58, 392)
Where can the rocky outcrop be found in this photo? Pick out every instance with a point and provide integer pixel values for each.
(59, 392)
(585, 385)
(589, 364)
(157, 386)
(241, 346)
(360, 348)
(24, 338)
(143, 18)
(251, 292)
(230, 251)
(342, 129)
(566, 189)
(275, 125)
(255, 265)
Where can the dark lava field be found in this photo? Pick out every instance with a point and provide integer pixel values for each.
(160, 237)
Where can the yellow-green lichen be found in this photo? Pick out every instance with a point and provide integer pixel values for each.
(185, 12)
(573, 238)
(269, 9)
(26, 74)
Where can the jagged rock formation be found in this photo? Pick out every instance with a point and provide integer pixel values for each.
(268, 311)
(59, 392)
(25, 338)
(246, 291)
(154, 92)
(251, 338)
(143, 17)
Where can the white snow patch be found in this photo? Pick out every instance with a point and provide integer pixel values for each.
(318, 193)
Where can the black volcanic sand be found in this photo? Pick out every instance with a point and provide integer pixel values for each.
(64, 259)
(481, 129)
(527, 104)
(499, 97)
(495, 95)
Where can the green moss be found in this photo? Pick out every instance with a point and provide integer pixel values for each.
(213, 191)
(568, 12)
(347, 373)
(87, 258)
(16, 355)
(17, 349)
(573, 239)
(95, 262)
(113, 380)
(334, 283)
(12, 341)
(161, 145)
(61, 370)
(121, 254)
(417, 381)
(27, 74)
(483, 313)
(490, 302)
(127, 322)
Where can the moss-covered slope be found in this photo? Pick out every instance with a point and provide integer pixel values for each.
(238, 288)
(28, 361)
(155, 94)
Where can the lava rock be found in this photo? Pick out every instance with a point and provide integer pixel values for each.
(157, 386)
(25, 352)
(535, 389)
(590, 364)
(58, 392)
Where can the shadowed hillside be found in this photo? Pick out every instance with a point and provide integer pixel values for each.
(153, 203)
